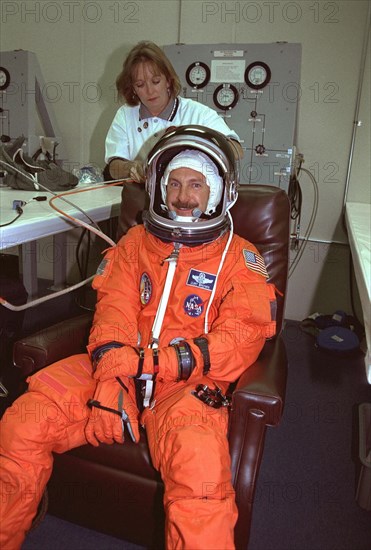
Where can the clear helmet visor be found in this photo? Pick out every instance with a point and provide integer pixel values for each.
(205, 151)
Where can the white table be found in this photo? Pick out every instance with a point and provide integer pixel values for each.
(358, 220)
(39, 220)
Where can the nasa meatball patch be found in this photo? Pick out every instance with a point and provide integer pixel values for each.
(145, 289)
(200, 279)
(193, 305)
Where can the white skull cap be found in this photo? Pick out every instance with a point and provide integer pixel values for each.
(196, 160)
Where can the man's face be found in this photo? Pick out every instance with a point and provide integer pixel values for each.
(186, 190)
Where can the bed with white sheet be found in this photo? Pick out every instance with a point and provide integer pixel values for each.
(358, 220)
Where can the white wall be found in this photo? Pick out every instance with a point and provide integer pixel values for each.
(359, 189)
(80, 47)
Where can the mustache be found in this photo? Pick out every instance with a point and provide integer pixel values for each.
(184, 205)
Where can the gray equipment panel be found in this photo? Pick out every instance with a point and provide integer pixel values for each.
(23, 104)
(256, 89)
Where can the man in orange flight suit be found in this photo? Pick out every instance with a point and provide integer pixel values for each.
(182, 301)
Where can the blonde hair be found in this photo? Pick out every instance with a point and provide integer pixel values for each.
(145, 52)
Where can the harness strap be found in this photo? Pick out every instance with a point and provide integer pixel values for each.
(159, 318)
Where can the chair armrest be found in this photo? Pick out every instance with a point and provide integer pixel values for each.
(257, 402)
(263, 385)
(51, 344)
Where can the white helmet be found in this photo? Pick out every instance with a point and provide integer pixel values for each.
(207, 152)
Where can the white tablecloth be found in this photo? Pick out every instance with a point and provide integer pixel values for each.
(39, 219)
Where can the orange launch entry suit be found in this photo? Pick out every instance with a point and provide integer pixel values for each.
(187, 439)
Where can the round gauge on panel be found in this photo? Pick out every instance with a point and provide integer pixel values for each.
(4, 78)
(257, 75)
(198, 75)
(225, 96)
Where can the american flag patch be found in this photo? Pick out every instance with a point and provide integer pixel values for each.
(255, 262)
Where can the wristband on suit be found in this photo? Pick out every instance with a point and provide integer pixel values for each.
(156, 366)
(186, 361)
(139, 375)
(98, 353)
(203, 345)
(140, 352)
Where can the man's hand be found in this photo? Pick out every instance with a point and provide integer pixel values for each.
(111, 410)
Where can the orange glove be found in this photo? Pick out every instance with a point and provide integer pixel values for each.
(125, 361)
(111, 410)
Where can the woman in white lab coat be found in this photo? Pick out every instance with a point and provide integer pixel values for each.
(149, 88)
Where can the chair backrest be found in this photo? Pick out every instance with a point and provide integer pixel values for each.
(261, 215)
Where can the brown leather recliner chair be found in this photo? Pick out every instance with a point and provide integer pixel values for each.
(114, 488)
